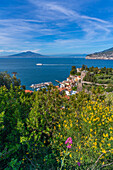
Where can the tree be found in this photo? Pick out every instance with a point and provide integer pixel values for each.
(84, 67)
(73, 70)
(7, 80)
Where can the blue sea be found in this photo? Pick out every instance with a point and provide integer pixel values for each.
(51, 70)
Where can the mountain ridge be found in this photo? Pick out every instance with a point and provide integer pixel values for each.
(106, 55)
(27, 54)
(30, 54)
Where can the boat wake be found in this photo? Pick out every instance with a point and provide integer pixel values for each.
(57, 64)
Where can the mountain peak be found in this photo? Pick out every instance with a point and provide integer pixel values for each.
(27, 54)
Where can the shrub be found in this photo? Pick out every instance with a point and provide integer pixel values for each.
(34, 129)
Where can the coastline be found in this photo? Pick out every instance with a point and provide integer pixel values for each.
(99, 58)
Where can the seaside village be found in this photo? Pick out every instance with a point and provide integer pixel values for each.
(70, 86)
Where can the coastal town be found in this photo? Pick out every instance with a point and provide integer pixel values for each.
(70, 86)
(80, 78)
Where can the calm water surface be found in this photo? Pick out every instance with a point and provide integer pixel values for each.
(51, 70)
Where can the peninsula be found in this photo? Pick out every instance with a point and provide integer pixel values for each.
(104, 55)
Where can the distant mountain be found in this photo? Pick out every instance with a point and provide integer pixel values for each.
(27, 54)
(106, 55)
(30, 54)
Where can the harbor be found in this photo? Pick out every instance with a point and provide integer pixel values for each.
(40, 85)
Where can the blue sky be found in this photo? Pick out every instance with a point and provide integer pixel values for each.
(55, 26)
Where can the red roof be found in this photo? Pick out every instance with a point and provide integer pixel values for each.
(61, 89)
(28, 91)
(67, 97)
(57, 86)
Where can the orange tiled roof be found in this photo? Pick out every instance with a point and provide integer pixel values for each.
(67, 97)
(61, 89)
(57, 86)
(28, 91)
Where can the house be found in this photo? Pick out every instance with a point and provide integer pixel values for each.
(73, 92)
(79, 77)
(67, 92)
(57, 86)
(28, 91)
(62, 85)
(79, 70)
(68, 79)
(67, 97)
(61, 89)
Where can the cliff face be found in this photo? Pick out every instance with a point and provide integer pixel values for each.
(106, 55)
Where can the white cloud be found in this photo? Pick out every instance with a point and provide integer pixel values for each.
(35, 51)
(57, 13)
(9, 51)
(95, 19)
(1, 51)
(19, 51)
(52, 25)
(23, 33)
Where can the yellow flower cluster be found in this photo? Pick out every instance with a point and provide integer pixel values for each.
(91, 130)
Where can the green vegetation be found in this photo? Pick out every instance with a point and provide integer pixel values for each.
(84, 67)
(109, 98)
(74, 88)
(7, 80)
(73, 70)
(35, 130)
(101, 76)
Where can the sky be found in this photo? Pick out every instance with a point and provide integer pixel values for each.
(55, 26)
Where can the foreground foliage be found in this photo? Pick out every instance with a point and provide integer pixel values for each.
(34, 128)
(6, 80)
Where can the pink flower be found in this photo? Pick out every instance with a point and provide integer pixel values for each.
(78, 163)
(69, 142)
(69, 146)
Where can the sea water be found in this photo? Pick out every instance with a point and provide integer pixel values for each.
(51, 70)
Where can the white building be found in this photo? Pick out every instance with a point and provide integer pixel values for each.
(67, 92)
(73, 92)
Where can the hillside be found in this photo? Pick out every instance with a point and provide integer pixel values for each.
(106, 55)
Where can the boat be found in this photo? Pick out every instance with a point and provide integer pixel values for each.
(39, 64)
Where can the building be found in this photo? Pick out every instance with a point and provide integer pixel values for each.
(28, 91)
(73, 92)
(79, 70)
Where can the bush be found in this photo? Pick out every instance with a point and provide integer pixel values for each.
(73, 70)
(90, 132)
(74, 88)
(7, 80)
(34, 128)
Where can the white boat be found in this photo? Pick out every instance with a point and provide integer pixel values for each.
(39, 64)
